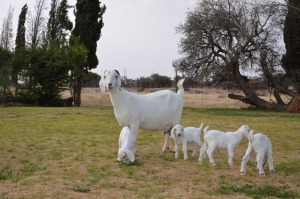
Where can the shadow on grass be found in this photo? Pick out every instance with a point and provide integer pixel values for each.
(135, 163)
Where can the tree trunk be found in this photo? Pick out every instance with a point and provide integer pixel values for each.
(250, 96)
(77, 88)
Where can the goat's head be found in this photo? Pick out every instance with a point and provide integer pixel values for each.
(245, 130)
(110, 80)
(177, 131)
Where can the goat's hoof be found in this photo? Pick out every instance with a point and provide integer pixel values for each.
(213, 164)
(243, 173)
(262, 174)
(272, 170)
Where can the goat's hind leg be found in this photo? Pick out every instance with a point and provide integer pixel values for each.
(210, 151)
(167, 142)
(270, 160)
(203, 151)
(245, 160)
(260, 159)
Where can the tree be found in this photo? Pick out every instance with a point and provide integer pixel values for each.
(20, 39)
(225, 40)
(7, 31)
(36, 24)
(58, 23)
(88, 25)
(161, 81)
(291, 60)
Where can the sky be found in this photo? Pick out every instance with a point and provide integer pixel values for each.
(138, 37)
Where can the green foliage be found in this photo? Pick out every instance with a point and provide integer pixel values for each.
(5, 90)
(91, 79)
(291, 60)
(255, 191)
(58, 23)
(88, 25)
(20, 39)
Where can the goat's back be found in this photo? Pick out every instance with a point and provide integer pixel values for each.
(260, 141)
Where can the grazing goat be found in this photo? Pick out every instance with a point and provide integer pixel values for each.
(183, 136)
(263, 148)
(154, 111)
(126, 145)
(215, 139)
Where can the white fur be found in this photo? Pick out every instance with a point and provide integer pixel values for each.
(183, 136)
(126, 145)
(154, 111)
(215, 139)
(263, 148)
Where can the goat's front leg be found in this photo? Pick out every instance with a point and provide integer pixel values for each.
(185, 150)
(167, 142)
(230, 157)
(176, 150)
(196, 148)
(245, 160)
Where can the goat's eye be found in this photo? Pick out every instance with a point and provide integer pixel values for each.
(104, 76)
(116, 76)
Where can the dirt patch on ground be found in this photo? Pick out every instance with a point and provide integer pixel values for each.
(195, 98)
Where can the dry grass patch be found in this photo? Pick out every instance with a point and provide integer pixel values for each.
(71, 153)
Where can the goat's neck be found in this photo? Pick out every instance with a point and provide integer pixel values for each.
(239, 136)
(116, 97)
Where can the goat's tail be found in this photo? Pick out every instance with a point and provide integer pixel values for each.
(180, 87)
(205, 129)
(201, 127)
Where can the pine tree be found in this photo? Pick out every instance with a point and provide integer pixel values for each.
(20, 39)
(88, 25)
(59, 23)
(291, 60)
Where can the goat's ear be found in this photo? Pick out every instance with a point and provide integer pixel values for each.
(130, 155)
(101, 85)
(117, 72)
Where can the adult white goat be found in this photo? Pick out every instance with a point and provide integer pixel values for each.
(215, 139)
(126, 145)
(263, 148)
(154, 111)
(184, 136)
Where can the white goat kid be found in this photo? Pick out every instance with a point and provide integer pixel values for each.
(154, 111)
(215, 139)
(184, 136)
(126, 145)
(263, 148)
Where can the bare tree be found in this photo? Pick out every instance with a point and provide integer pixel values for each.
(225, 40)
(36, 23)
(6, 37)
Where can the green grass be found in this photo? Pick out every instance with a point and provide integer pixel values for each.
(72, 153)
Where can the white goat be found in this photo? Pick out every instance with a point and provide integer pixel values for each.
(154, 111)
(263, 148)
(126, 145)
(215, 139)
(183, 136)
